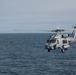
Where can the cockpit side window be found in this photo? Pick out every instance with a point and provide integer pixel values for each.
(53, 41)
(53, 36)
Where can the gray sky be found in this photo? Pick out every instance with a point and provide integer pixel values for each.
(32, 15)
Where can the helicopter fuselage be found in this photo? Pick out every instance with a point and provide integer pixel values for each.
(57, 42)
(60, 41)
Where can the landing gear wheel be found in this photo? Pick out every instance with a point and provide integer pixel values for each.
(62, 50)
(54, 46)
(65, 48)
(45, 47)
(48, 50)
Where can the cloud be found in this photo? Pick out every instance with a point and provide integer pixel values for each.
(14, 12)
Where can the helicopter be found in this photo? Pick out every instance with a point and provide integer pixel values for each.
(59, 40)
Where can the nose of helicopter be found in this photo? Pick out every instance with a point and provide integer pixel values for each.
(51, 46)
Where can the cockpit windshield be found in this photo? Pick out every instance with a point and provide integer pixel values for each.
(51, 39)
(53, 36)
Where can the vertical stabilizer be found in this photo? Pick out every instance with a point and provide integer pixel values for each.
(74, 32)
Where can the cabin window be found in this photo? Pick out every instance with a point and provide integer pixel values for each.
(64, 41)
(62, 36)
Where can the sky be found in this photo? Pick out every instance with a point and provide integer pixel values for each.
(31, 16)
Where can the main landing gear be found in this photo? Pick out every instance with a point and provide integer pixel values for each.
(48, 50)
(63, 49)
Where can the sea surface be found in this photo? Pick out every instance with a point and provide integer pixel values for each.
(25, 54)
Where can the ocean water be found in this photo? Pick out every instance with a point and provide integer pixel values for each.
(25, 54)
